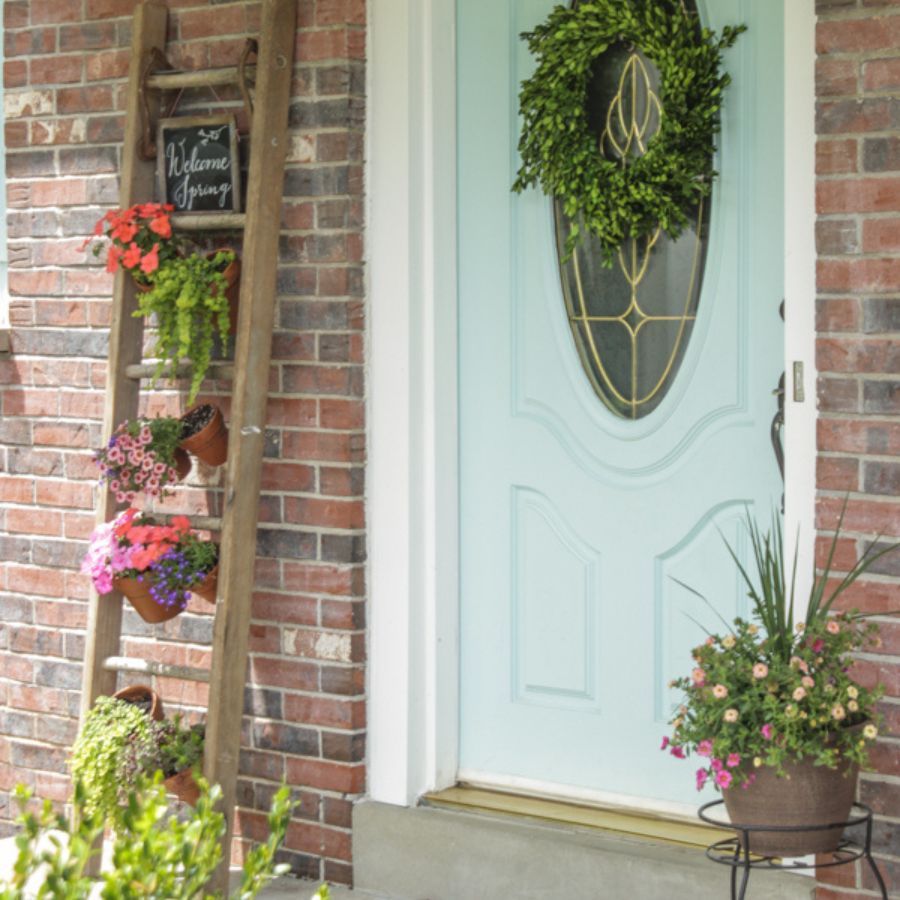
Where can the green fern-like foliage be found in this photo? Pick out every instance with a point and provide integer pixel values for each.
(98, 756)
(187, 299)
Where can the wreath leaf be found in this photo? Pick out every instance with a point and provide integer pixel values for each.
(613, 199)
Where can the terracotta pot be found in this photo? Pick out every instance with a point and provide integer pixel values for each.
(138, 595)
(138, 692)
(207, 588)
(182, 463)
(810, 795)
(210, 444)
(183, 785)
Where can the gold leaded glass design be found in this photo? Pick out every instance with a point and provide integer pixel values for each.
(632, 322)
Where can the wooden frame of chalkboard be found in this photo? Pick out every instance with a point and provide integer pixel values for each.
(198, 165)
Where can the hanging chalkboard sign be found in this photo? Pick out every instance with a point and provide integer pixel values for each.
(198, 166)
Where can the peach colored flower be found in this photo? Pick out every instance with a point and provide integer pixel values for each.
(720, 692)
(760, 670)
(832, 627)
(731, 715)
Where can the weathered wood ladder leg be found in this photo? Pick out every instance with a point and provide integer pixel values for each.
(268, 139)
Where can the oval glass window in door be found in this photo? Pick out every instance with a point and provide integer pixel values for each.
(631, 322)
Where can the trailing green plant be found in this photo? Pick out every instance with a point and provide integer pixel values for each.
(622, 195)
(154, 856)
(98, 756)
(187, 298)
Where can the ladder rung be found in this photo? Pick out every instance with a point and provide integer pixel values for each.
(147, 667)
(201, 523)
(218, 371)
(208, 221)
(202, 78)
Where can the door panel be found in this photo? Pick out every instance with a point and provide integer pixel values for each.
(574, 522)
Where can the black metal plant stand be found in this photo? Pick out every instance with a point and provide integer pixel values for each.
(735, 851)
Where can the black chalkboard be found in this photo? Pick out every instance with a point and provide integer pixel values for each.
(198, 166)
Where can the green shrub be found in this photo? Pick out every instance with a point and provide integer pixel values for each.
(154, 856)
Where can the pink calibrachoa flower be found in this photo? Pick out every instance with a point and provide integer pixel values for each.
(699, 677)
(749, 780)
(806, 681)
(832, 627)
(665, 742)
(705, 748)
(720, 692)
(702, 776)
(818, 645)
(677, 752)
(723, 779)
(734, 760)
(760, 670)
(767, 731)
(717, 764)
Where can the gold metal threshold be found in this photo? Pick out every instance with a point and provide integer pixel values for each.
(634, 824)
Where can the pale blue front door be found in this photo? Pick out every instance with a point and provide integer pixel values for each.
(575, 521)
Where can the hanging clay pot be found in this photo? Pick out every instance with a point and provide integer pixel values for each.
(207, 588)
(144, 697)
(182, 463)
(183, 786)
(207, 434)
(138, 595)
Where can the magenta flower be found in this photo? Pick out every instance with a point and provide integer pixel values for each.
(734, 760)
(677, 752)
(717, 764)
(705, 748)
(665, 742)
(767, 731)
(818, 645)
(723, 779)
(702, 776)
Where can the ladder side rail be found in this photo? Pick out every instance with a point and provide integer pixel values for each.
(268, 144)
(104, 625)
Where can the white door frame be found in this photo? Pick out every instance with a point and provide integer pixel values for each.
(412, 471)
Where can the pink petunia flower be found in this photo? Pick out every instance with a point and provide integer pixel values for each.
(723, 779)
(665, 742)
(767, 731)
(734, 760)
(702, 776)
(677, 752)
(705, 748)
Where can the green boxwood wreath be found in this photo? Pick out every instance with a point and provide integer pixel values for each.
(611, 199)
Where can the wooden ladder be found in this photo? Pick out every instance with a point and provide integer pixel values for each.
(261, 224)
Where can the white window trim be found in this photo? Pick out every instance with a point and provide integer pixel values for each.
(412, 504)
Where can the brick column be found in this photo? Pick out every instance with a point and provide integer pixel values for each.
(858, 356)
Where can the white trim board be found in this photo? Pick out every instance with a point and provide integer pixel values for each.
(412, 498)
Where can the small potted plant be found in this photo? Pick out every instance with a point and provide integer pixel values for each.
(140, 240)
(99, 754)
(155, 566)
(190, 298)
(143, 456)
(772, 710)
(172, 748)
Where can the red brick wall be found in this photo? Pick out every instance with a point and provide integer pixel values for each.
(858, 355)
(64, 76)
